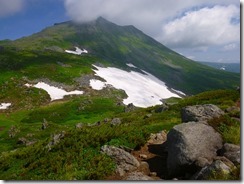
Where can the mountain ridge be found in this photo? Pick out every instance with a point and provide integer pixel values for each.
(119, 45)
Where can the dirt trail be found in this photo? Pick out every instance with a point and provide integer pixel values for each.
(154, 153)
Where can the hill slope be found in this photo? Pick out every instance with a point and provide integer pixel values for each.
(119, 45)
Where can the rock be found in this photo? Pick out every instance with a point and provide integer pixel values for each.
(144, 168)
(232, 152)
(158, 138)
(217, 167)
(233, 108)
(25, 141)
(142, 156)
(22, 140)
(13, 131)
(153, 174)
(137, 176)
(200, 113)
(115, 121)
(125, 161)
(79, 125)
(55, 139)
(44, 124)
(161, 108)
(147, 116)
(130, 107)
(189, 142)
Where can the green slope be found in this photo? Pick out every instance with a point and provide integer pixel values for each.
(119, 45)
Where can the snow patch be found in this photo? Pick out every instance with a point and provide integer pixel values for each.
(131, 65)
(222, 68)
(97, 84)
(143, 90)
(5, 105)
(77, 51)
(54, 92)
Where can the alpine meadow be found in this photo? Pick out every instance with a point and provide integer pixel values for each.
(100, 101)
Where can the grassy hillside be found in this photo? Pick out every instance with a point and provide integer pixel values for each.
(119, 45)
(77, 154)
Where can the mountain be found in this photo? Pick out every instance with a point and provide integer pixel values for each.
(118, 45)
(230, 67)
(70, 89)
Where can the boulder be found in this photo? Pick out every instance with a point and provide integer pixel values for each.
(200, 112)
(125, 161)
(130, 107)
(190, 144)
(137, 176)
(115, 121)
(232, 152)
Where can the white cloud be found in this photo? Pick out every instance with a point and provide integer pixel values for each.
(207, 26)
(9, 7)
(230, 47)
(195, 28)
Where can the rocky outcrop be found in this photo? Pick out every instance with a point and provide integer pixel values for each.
(125, 162)
(200, 112)
(190, 146)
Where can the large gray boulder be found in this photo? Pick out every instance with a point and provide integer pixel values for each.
(190, 146)
(125, 161)
(200, 112)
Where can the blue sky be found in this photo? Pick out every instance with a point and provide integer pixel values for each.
(203, 30)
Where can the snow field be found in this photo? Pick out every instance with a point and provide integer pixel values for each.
(54, 92)
(143, 90)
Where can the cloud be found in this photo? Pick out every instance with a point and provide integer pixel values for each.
(229, 47)
(173, 23)
(9, 7)
(206, 26)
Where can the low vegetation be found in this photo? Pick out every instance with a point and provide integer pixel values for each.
(77, 154)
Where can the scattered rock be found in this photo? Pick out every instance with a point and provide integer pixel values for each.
(44, 124)
(115, 121)
(187, 143)
(26, 142)
(79, 125)
(232, 152)
(55, 139)
(130, 107)
(22, 140)
(142, 156)
(13, 131)
(233, 108)
(153, 174)
(147, 116)
(200, 112)
(137, 176)
(217, 167)
(125, 161)
(162, 108)
(158, 138)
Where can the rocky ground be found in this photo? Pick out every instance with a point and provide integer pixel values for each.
(192, 150)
